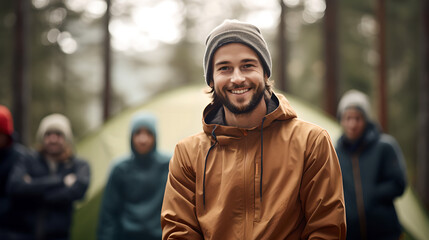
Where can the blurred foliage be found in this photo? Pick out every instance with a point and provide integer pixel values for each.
(404, 59)
(53, 87)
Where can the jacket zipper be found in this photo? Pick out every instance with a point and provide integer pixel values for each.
(246, 192)
(359, 194)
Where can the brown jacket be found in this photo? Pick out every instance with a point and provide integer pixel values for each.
(215, 189)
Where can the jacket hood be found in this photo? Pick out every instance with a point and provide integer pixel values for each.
(278, 109)
(143, 120)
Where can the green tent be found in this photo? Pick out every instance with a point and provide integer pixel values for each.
(180, 113)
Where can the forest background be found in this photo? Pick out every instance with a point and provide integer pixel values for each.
(157, 45)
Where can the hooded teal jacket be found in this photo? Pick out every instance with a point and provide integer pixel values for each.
(132, 200)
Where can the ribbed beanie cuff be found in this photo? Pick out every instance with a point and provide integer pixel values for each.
(234, 31)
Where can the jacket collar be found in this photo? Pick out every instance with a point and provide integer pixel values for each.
(278, 109)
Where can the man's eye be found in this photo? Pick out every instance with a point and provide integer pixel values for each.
(224, 68)
(248, 66)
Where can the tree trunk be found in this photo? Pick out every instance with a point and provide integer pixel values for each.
(423, 130)
(107, 66)
(282, 50)
(20, 84)
(382, 86)
(331, 58)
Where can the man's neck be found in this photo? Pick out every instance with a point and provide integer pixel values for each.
(247, 120)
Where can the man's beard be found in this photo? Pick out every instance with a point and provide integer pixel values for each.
(256, 98)
(54, 150)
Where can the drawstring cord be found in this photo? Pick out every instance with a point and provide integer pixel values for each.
(205, 165)
(262, 156)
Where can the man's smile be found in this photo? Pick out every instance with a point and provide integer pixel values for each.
(240, 91)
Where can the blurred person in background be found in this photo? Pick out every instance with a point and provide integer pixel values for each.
(45, 186)
(10, 152)
(132, 200)
(256, 171)
(373, 171)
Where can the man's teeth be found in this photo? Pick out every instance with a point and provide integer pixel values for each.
(239, 91)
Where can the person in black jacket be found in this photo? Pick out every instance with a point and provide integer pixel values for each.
(374, 172)
(44, 186)
(10, 152)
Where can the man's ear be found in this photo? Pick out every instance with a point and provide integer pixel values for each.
(211, 83)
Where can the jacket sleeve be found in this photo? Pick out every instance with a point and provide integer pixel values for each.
(75, 192)
(111, 207)
(393, 172)
(178, 215)
(321, 191)
(37, 187)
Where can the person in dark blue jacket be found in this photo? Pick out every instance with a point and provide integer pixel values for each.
(10, 152)
(132, 200)
(373, 170)
(44, 187)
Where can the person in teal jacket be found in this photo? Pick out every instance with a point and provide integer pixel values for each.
(132, 200)
(373, 170)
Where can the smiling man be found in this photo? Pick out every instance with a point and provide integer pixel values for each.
(256, 171)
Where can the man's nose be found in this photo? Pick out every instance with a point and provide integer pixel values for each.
(237, 76)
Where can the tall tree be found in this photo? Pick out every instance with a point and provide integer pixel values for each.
(331, 57)
(423, 143)
(107, 66)
(282, 46)
(20, 83)
(381, 18)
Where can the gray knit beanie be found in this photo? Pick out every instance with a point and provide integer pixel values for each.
(57, 122)
(356, 99)
(234, 31)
